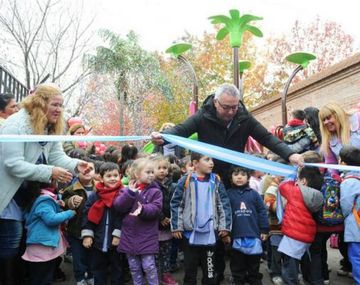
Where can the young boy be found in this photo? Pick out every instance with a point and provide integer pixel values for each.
(350, 205)
(200, 213)
(298, 225)
(101, 230)
(75, 197)
(250, 227)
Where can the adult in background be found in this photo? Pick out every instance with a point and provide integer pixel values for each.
(42, 114)
(224, 121)
(78, 130)
(338, 129)
(8, 106)
(312, 119)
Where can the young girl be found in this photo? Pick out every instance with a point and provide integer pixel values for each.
(44, 242)
(250, 227)
(142, 203)
(162, 166)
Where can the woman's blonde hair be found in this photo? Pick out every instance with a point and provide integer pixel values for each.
(36, 104)
(138, 165)
(342, 125)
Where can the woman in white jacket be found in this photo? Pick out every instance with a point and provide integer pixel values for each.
(42, 114)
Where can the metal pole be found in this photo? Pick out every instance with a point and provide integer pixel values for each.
(284, 95)
(195, 81)
(236, 67)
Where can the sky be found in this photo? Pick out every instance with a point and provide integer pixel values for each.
(161, 22)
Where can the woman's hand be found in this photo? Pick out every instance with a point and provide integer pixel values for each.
(62, 175)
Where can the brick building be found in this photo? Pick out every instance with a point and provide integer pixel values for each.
(340, 83)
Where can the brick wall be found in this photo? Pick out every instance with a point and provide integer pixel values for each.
(340, 83)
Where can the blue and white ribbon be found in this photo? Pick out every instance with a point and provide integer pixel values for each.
(56, 138)
(334, 166)
(233, 157)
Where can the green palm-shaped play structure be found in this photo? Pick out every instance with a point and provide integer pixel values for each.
(235, 26)
(302, 59)
(177, 50)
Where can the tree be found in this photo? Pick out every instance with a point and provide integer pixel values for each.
(325, 39)
(46, 39)
(136, 74)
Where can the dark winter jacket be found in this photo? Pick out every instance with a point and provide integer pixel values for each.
(211, 130)
(73, 227)
(166, 193)
(109, 226)
(140, 234)
(248, 213)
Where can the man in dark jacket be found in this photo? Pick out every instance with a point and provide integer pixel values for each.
(224, 121)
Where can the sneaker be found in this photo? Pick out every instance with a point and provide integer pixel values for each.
(168, 279)
(277, 280)
(326, 282)
(82, 282)
(344, 272)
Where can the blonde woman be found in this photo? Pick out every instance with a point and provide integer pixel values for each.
(41, 114)
(338, 128)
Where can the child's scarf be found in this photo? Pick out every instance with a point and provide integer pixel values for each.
(107, 196)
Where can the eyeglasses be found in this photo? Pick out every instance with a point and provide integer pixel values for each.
(227, 107)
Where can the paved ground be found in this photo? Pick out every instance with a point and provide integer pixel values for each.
(333, 261)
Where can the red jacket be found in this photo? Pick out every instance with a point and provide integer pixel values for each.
(298, 222)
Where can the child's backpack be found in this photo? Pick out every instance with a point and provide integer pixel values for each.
(297, 138)
(331, 213)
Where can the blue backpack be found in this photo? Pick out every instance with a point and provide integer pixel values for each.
(331, 213)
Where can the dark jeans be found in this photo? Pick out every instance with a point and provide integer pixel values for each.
(315, 270)
(10, 237)
(276, 261)
(245, 268)
(81, 260)
(290, 270)
(195, 255)
(343, 248)
(99, 262)
(11, 266)
(42, 273)
(175, 244)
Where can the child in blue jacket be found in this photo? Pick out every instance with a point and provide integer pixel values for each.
(350, 206)
(250, 227)
(44, 241)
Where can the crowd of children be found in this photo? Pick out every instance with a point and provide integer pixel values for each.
(129, 211)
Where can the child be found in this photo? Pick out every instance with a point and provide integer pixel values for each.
(250, 227)
(200, 212)
(141, 203)
(161, 171)
(298, 225)
(75, 197)
(101, 230)
(350, 204)
(44, 241)
(185, 165)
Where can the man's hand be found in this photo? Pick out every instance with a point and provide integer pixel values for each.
(296, 159)
(87, 242)
(156, 138)
(177, 234)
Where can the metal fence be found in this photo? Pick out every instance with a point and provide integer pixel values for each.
(9, 84)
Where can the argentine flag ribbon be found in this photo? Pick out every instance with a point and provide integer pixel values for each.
(233, 157)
